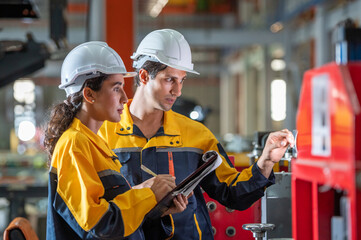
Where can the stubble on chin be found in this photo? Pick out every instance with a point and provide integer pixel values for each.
(165, 107)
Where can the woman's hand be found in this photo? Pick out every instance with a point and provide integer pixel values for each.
(146, 184)
(275, 147)
(161, 185)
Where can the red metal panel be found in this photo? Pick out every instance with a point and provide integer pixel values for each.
(223, 218)
(301, 217)
(355, 73)
(315, 219)
(358, 210)
(325, 212)
(335, 165)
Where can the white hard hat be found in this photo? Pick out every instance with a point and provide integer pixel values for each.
(89, 60)
(166, 46)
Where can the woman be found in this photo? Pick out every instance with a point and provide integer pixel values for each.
(88, 196)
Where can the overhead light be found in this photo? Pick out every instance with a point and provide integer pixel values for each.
(24, 109)
(276, 27)
(24, 91)
(197, 113)
(194, 115)
(157, 8)
(190, 109)
(26, 130)
(278, 65)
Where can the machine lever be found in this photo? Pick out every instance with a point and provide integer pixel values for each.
(291, 152)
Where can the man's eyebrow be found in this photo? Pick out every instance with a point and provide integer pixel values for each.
(118, 83)
(172, 76)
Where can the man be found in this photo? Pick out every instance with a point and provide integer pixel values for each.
(152, 135)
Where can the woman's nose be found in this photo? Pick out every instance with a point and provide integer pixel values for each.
(123, 98)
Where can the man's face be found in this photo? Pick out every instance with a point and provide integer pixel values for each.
(165, 88)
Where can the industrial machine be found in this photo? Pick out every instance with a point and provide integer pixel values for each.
(325, 194)
(324, 188)
(326, 176)
(270, 216)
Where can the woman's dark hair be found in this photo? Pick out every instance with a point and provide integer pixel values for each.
(153, 68)
(62, 114)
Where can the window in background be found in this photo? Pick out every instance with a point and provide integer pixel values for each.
(278, 100)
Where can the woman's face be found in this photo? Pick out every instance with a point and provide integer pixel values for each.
(109, 100)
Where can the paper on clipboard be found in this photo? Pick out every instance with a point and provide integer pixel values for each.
(211, 161)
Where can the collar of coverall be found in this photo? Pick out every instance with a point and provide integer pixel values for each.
(170, 125)
(97, 140)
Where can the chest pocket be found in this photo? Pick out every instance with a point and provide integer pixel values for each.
(130, 167)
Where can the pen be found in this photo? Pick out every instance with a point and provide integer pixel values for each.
(147, 170)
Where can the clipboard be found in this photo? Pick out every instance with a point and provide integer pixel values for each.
(211, 161)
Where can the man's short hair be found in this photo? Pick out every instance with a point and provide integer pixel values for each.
(153, 68)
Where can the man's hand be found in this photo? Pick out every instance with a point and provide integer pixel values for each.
(180, 204)
(275, 147)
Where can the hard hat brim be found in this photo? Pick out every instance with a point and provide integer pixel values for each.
(182, 68)
(129, 74)
(155, 58)
(125, 75)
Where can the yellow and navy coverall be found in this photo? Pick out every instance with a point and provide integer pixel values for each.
(176, 149)
(88, 196)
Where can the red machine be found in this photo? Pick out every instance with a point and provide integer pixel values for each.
(326, 197)
(227, 223)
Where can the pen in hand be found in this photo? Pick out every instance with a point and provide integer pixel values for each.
(147, 170)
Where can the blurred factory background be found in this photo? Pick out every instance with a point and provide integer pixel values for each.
(252, 56)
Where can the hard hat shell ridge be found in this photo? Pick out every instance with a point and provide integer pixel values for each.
(166, 46)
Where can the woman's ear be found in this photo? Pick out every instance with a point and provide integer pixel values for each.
(88, 95)
(143, 76)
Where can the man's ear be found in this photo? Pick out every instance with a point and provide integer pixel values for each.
(88, 95)
(143, 76)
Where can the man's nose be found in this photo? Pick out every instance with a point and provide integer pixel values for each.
(177, 89)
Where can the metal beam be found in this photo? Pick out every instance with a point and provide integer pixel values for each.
(196, 37)
(224, 38)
